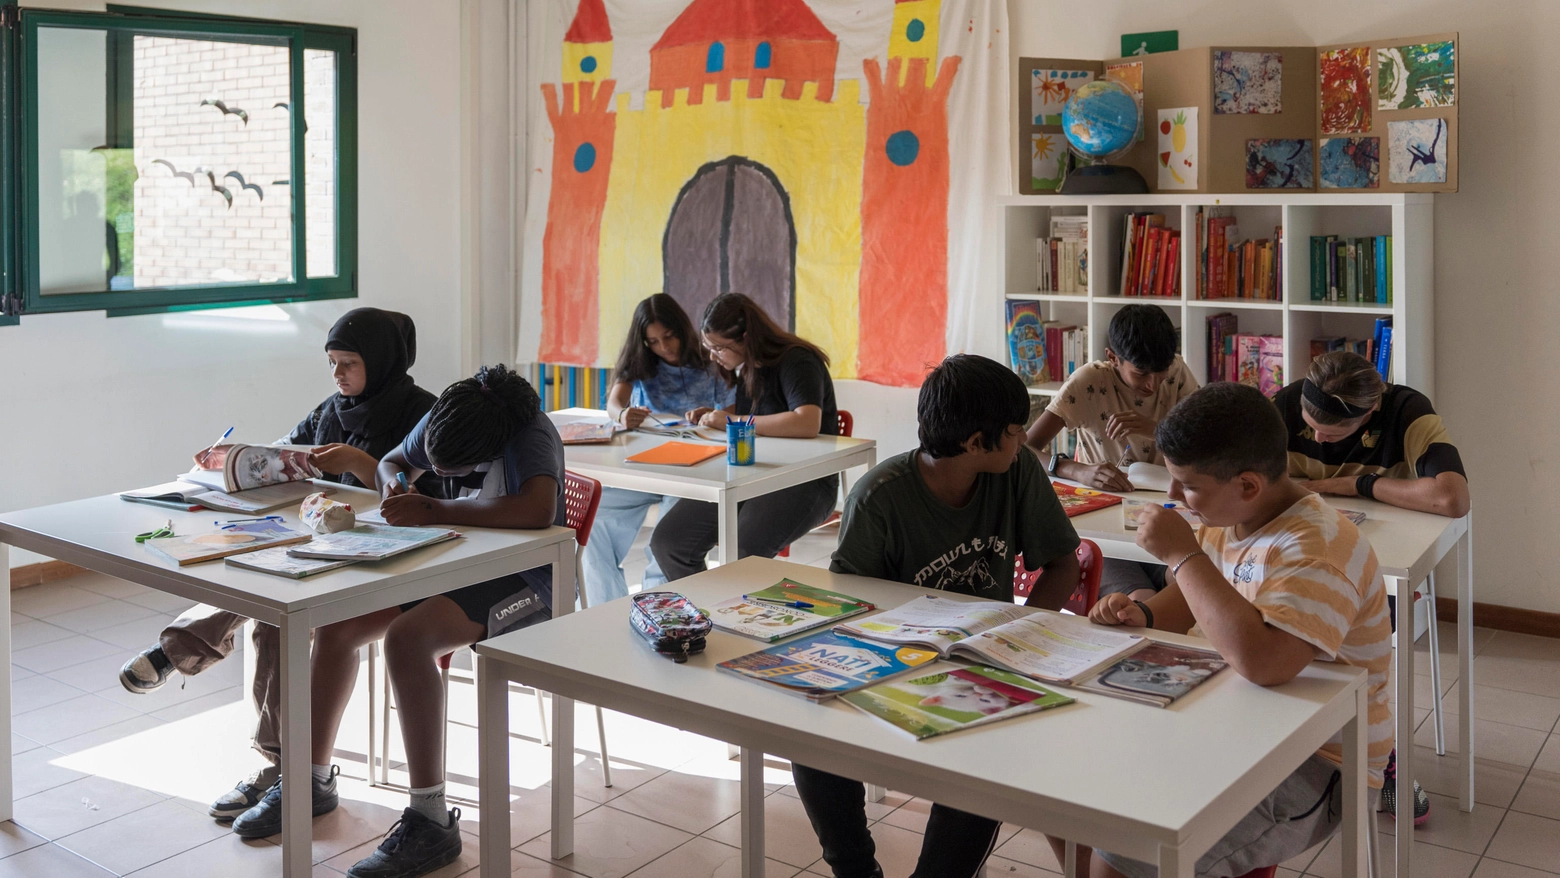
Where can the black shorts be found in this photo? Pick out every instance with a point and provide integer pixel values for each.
(505, 604)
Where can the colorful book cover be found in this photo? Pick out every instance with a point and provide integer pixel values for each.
(821, 602)
(953, 698)
(827, 664)
(1270, 365)
(1077, 501)
(277, 562)
(232, 539)
(1248, 357)
(1157, 674)
(1026, 341)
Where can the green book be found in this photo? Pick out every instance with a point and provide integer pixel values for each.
(817, 601)
(953, 697)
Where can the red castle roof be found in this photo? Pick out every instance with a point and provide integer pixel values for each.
(705, 21)
(590, 24)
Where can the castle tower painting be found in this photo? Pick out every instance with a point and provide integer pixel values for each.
(752, 164)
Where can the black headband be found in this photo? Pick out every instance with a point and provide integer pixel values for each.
(1330, 404)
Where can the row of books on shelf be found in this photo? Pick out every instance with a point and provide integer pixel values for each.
(1257, 360)
(1064, 257)
(1229, 268)
(1150, 256)
(1351, 269)
(1041, 350)
(1377, 348)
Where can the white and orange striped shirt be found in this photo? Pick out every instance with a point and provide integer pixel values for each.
(1311, 573)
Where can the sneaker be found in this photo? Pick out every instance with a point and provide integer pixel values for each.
(246, 795)
(1389, 794)
(146, 672)
(414, 846)
(265, 819)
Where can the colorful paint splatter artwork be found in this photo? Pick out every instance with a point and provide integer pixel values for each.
(1424, 75)
(1279, 164)
(1345, 85)
(1050, 90)
(1248, 82)
(1416, 151)
(1351, 162)
(1046, 155)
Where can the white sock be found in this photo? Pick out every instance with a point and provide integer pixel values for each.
(321, 773)
(429, 801)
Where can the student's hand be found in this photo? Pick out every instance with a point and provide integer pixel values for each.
(1100, 475)
(1123, 424)
(696, 416)
(633, 416)
(714, 418)
(338, 458)
(1167, 536)
(1117, 609)
(409, 510)
(393, 488)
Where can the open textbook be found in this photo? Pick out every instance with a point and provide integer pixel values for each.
(240, 467)
(191, 495)
(1033, 642)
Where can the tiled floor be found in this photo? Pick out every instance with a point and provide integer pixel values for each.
(109, 783)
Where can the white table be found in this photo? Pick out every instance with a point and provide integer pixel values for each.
(781, 463)
(1409, 546)
(1232, 741)
(98, 534)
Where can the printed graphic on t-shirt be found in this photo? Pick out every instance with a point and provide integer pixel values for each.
(966, 568)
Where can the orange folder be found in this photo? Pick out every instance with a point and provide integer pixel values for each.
(677, 454)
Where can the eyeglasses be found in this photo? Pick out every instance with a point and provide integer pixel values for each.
(715, 348)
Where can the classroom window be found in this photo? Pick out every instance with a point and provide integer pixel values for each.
(176, 161)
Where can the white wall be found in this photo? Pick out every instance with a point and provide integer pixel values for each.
(89, 404)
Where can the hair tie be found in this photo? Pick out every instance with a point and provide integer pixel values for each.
(1330, 404)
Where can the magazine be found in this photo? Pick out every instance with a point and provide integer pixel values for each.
(277, 562)
(198, 486)
(1036, 643)
(827, 664)
(1157, 674)
(1076, 501)
(782, 610)
(371, 542)
(950, 698)
(1132, 512)
(232, 539)
(821, 602)
(242, 467)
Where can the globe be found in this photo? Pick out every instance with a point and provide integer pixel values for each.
(1101, 119)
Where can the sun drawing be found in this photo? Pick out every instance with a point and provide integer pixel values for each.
(1044, 146)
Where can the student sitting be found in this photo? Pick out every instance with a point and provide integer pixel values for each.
(784, 381)
(954, 514)
(1276, 579)
(1114, 404)
(375, 406)
(662, 368)
(501, 461)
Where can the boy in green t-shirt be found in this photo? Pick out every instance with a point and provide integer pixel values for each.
(955, 515)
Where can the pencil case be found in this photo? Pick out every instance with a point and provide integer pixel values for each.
(670, 622)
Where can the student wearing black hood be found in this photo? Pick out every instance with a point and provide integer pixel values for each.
(376, 405)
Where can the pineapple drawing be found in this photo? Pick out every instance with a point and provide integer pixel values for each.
(1176, 129)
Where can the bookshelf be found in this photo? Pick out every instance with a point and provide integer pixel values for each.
(1407, 217)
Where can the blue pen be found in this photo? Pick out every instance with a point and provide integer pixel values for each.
(798, 605)
(400, 479)
(235, 522)
(209, 448)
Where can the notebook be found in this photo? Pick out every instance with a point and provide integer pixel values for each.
(278, 563)
(1157, 674)
(194, 490)
(587, 432)
(371, 542)
(233, 539)
(950, 698)
(1077, 501)
(677, 454)
(823, 665)
(783, 609)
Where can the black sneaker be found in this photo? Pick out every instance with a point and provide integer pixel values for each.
(246, 795)
(146, 672)
(414, 846)
(265, 819)
(1389, 794)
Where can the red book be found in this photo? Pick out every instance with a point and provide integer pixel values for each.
(1172, 286)
(1077, 501)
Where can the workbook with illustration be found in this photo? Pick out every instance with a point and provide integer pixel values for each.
(240, 467)
(1037, 643)
(278, 563)
(784, 609)
(1157, 674)
(231, 539)
(951, 698)
(371, 542)
(827, 664)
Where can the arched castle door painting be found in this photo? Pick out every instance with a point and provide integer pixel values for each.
(731, 230)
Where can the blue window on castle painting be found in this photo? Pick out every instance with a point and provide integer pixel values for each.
(915, 30)
(715, 61)
(762, 56)
(588, 64)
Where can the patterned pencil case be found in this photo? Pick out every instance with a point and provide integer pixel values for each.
(670, 622)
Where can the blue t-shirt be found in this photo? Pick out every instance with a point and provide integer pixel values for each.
(678, 389)
(535, 450)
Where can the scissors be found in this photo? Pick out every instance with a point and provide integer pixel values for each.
(164, 531)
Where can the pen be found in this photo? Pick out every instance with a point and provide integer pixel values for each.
(400, 479)
(209, 448)
(799, 605)
(231, 522)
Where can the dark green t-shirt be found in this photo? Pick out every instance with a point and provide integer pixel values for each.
(895, 528)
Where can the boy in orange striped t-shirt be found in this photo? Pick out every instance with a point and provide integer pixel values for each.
(1276, 579)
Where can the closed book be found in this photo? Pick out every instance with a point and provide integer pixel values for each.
(950, 698)
(1248, 358)
(1270, 365)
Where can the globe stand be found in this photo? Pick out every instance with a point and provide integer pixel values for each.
(1103, 180)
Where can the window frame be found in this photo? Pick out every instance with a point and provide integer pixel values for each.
(22, 209)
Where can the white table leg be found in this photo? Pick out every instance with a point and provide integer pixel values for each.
(5, 686)
(1172, 864)
(1356, 745)
(752, 813)
(493, 768)
(726, 547)
(1464, 553)
(1070, 856)
(1405, 725)
(563, 723)
(297, 804)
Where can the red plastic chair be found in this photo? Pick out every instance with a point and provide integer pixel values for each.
(1088, 591)
(847, 427)
(1264, 872)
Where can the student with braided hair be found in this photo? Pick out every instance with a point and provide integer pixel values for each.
(500, 462)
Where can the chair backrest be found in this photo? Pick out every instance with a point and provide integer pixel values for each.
(1088, 591)
(581, 496)
(847, 423)
(1264, 872)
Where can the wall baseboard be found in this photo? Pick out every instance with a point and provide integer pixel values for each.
(38, 574)
(1515, 619)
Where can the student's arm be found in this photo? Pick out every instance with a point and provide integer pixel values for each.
(393, 463)
(1046, 537)
(534, 507)
(340, 457)
(618, 408)
(803, 380)
(802, 422)
(864, 539)
(1102, 476)
(1443, 494)
(1057, 582)
(1169, 607)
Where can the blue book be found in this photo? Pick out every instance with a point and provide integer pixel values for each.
(827, 664)
(1381, 269)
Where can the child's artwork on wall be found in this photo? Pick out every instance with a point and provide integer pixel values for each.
(1247, 82)
(1351, 162)
(1417, 151)
(1177, 154)
(1345, 90)
(1050, 91)
(1278, 164)
(1129, 74)
(1424, 75)
(1048, 149)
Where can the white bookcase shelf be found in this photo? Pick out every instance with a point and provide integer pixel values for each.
(1407, 217)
